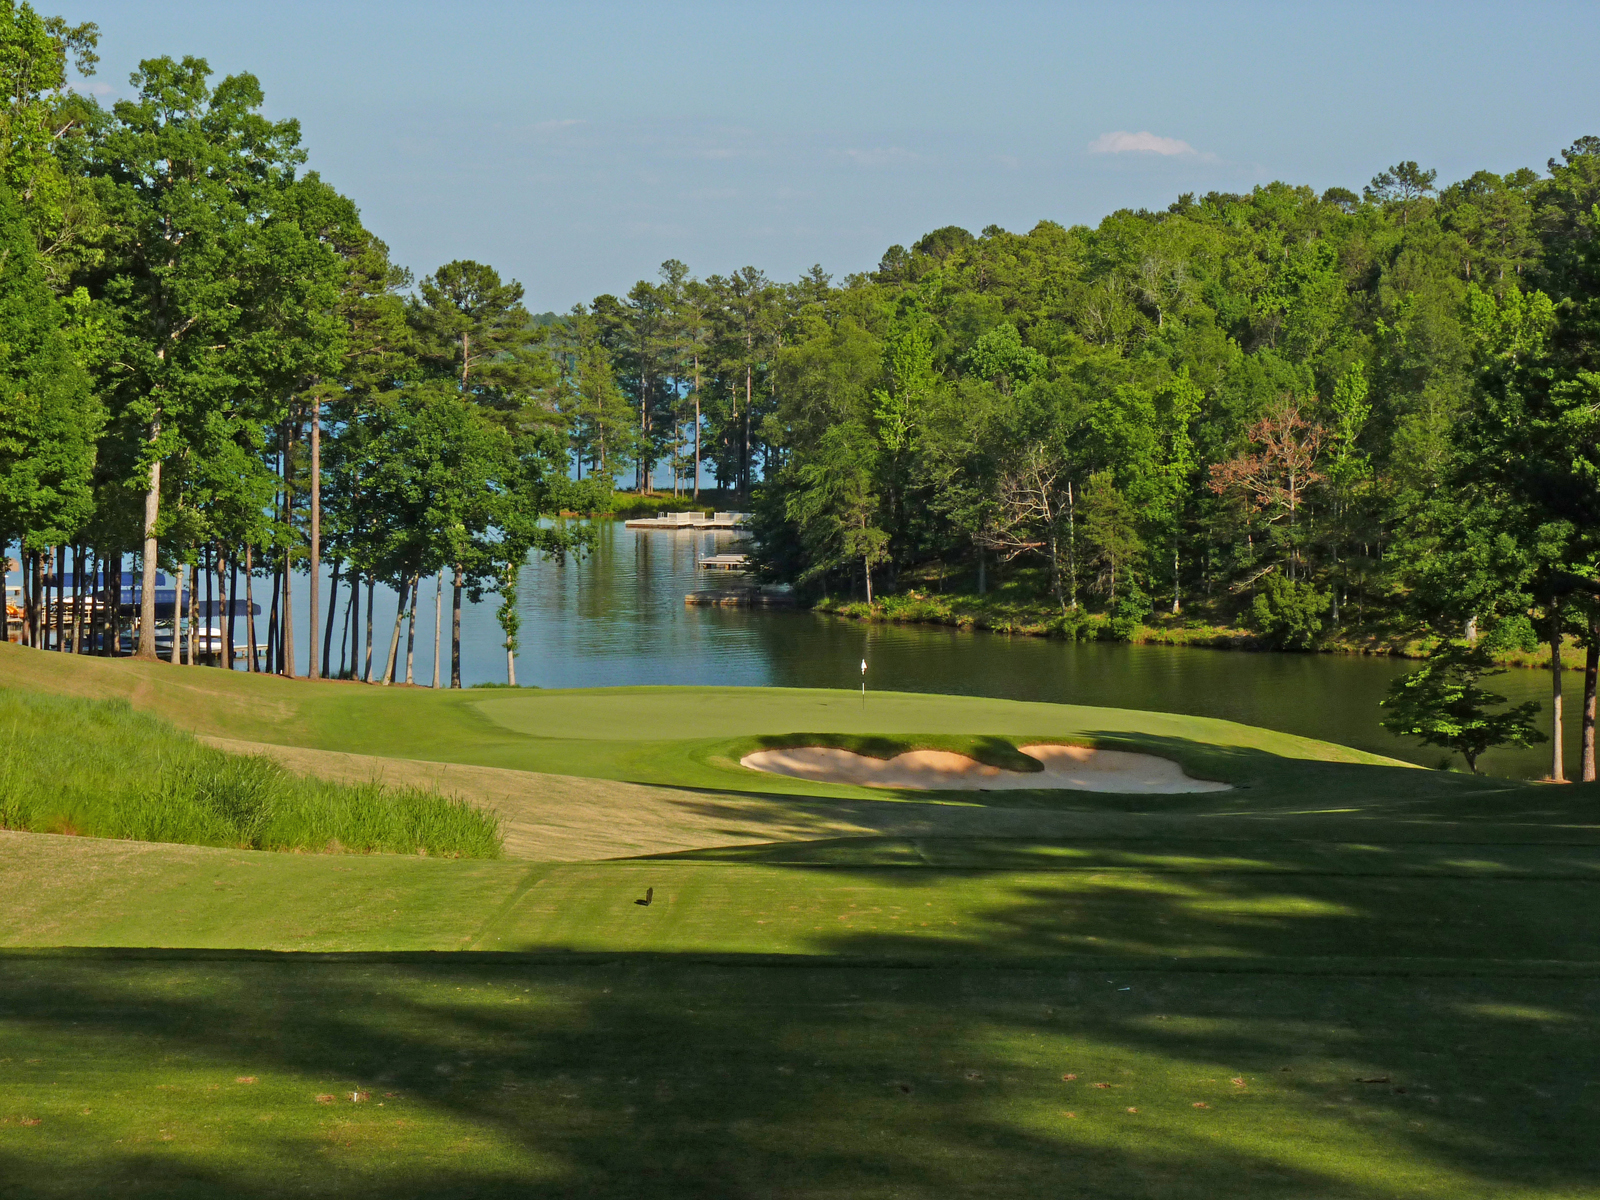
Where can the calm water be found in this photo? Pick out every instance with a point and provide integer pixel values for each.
(618, 618)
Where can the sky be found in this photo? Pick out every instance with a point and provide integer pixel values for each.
(576, 147)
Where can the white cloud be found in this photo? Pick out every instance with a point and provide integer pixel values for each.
(90, 89)
(1122, 142)
(881, 157)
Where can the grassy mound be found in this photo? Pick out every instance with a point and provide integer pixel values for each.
(101, 769)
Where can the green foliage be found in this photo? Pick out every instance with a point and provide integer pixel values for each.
(100, 769)
(1442, 704)
(50, 419)
(1129, 612)
(1287, 615)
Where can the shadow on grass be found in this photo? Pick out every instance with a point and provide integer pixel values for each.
(641, 1076)
(1266, 785)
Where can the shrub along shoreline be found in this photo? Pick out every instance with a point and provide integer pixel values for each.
(1044, 618)
(99, 769)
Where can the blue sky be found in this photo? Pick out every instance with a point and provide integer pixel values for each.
(576, 146)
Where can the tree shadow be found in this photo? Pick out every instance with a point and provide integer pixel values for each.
(1285, 1021)
(646, 1077)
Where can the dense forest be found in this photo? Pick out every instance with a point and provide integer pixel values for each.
(1320, 417)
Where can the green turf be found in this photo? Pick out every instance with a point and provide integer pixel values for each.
(823, 1020)
(693, 737)
(96, 767)
(1346, 979)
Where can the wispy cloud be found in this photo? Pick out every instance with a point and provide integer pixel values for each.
(1123, 142)
(883, 156)
(91, 89)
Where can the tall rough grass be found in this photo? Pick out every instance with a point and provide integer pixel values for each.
(98, 768)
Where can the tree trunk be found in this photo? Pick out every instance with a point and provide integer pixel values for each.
(455, 633)
(212, 624)
(229, 625)
(1557, 757)
(250, 606)
(697, 427)
(147, 597)
(438, 614)
(61, 598)
(270, 665)
(1591, 676)
(511, 665)
(411, 627)
(316, 545)
(79, 554)
(194, 614)
(866, 571)
(29, 609)
(286, 638)
(176, 653)
(286, 641)
(983, 573)
(1176, 605)
(113, 622)
(1072, 550)
(1055, 568)
(355, 627)
(366, 671)
(333, 608)
(394, 638)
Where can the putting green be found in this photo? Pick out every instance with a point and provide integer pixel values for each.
(693, 737)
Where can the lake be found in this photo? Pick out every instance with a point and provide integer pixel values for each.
(618, 617)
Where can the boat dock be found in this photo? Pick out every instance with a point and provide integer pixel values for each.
(690, 520)
(743, 597)
(724, 562)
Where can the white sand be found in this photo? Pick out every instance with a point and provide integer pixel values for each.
(1072, 768)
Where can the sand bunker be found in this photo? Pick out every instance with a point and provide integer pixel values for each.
(1074, 768)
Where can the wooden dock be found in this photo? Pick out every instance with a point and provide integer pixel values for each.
(724, 562)
(745, 597)
(690, 520)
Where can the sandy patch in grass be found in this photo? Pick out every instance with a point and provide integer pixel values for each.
(1066, 768)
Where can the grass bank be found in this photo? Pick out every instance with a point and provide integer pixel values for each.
(689, 737)
(101, 769)
(1019, 612)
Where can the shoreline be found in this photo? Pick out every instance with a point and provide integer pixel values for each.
(1046, 621)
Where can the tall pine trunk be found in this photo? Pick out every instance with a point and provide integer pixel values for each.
(286, 639)
(394, 638)
(455, 632)
(250, 606)
(152, 514)
(366, 670)
(411, 626)
(312, 670)
(333, 608)
(175, 655)
(1557, 757)
(1591, 677)
(438, 614)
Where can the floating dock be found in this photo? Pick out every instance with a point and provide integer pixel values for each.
(690, 520)
(724, 562)
(745, 597)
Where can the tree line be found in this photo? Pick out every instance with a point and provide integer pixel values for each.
(1323, 416)
(1346, 415)
(213, 368)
